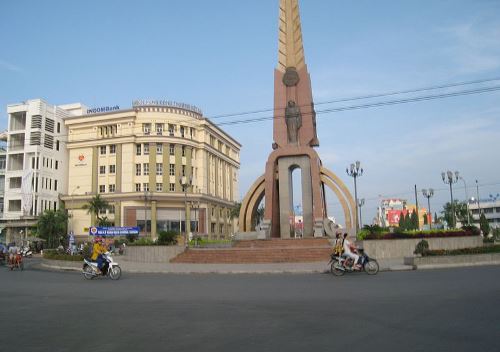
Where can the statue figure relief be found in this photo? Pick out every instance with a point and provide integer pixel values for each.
(293, 120)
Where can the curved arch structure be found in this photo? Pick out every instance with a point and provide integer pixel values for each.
(250, 204)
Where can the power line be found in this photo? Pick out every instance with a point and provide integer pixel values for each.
(369, 96)
(372, 105)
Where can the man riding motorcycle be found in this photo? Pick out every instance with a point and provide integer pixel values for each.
(98, 250)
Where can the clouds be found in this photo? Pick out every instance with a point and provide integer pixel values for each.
(4, 65)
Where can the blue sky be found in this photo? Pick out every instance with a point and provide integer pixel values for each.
(220, 55)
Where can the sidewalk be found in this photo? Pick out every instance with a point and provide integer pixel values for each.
(170, 268)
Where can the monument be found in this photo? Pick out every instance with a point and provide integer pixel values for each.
(295, 137)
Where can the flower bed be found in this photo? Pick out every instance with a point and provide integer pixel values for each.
(53, 254)
(415, 234)
(463, 251)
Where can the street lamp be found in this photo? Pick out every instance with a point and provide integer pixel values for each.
(185, 183)
(428, 193)
(450, 178)
(466, 199)
(360, 204)
(355, 171)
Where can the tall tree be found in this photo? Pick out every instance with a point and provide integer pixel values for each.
(426, 219)
(235, 212)
(52, 226)
(96, 206)
(460, 212)
(484, 225)
(414, 220)
(402, 221)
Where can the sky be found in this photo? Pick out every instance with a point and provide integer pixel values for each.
(220, 55)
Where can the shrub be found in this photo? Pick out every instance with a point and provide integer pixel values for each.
(421, 248)
(419, 234)
(53, 254)
(131, 238)
(167, 238)
(143, 242)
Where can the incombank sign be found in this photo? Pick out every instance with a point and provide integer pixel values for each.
(102, 109)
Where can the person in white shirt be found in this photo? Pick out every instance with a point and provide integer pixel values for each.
(349, 250)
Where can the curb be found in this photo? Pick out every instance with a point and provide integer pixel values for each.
(454, 265)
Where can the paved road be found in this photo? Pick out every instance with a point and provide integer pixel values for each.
(440, 310)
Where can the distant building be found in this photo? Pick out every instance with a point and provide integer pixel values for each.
(491, 209)
(390, 211)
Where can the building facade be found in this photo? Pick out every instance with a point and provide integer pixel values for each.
(36, 163)
(491, 209)
(157, 164)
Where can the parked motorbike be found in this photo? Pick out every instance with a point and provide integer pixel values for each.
(26, 252)
(17, 263)
(339, 265)
(110, 269)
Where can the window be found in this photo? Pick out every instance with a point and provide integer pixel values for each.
(145, 187)
(171, 170)
(146, 148)
(138, 169)
(111, 209)
(55, 185)
(138, 149)
(212, 227)
(159, 148)
(146, 128)
(171, 130)
(159, 129)
(137, 187)
(145, 167)
(172, 149)
(112, 188)
(159, 169)
(102, 170)
(102, 211)
(192, 132)
(57, 165)
(57, 145)
(172, 187)
(112, 169)
(102, 188)
(58, 127)
(183, 150)
(112, 149)
(183, 170)
(159, 187)
(182, 131)
(103, 150)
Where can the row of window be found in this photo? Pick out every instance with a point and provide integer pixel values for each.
(45, 183)
(172, 129)
(159, 187)
(103, 149)
(47, 163)
(102, 169)
(111, 188)
(143, 149)
(144, 168)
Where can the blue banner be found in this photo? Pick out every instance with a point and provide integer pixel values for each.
(113, 231)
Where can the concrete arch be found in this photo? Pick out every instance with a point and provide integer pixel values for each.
(250, 204)
(342, 192)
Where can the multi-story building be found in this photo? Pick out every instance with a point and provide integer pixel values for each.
(491, 209)
(36, 163)
(3, 156)
(390, 211)
(158, 164)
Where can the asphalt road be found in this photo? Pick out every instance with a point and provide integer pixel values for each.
(435, 310)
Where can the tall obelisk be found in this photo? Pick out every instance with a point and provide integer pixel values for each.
(294, 137)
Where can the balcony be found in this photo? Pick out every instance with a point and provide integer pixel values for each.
(18, 121)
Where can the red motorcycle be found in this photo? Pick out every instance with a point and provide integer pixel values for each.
(17, 262)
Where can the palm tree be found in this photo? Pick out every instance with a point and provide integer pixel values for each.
(95, 206)
(51, 226)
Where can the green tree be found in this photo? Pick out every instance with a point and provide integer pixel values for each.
(52, 227)
(436, 218)
(402, 221)
(484, 225)
(414, 221)
(426, 219)
(460, 212)
(407, 221)
(97, 205)
(259, 215)
(235, 212)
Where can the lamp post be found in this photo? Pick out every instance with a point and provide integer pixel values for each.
(185, 183)
(466, 199)
(355, 171)
(360, 204)
(146, 195)
(72, 210)
(428, 193)
(450, 178)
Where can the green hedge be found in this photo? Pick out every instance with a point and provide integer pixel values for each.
(53, 254)
(463, 251)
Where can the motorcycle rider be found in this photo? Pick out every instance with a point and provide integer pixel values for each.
(13, 251)
(349, 251)
(98, 250)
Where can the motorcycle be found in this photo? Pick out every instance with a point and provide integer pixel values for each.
(26, 252)
(17, 263)
(110, 268)
(339, 265)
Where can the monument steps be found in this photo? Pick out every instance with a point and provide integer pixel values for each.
(261, 251)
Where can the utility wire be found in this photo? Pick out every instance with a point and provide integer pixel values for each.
(369, 96)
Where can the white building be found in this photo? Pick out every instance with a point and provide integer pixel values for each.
(36, 162)
(491, 209)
